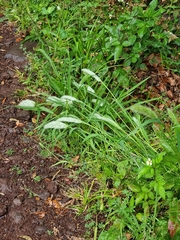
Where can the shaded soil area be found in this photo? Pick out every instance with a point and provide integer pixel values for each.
(33, 194)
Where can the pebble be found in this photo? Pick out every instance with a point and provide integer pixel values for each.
(16, 216)
(11, 130)
(5, 76)
(71, 226)
(39, 230)
(14, 159)
(9, 41)
(17, 202)
(16, 53)
(30, 46)
(11, 73)
(44, 195)
(23, 115)
(52, 187)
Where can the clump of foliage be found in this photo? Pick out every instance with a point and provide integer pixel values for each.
(85, 60)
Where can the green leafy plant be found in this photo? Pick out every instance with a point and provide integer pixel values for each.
(37, 178)
(17, 169)
(30, 192)
(83, 74)
(137, 34)
(10, 152)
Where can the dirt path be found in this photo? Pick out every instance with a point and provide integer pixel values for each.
(33, 199)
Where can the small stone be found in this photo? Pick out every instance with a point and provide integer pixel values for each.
(11, 73)
(44, 195)
(5, 76)
(17, 202)
(16, 216)
(30, 46)
(39, 230)
(52, 187)
(71, 226)
(16, 53)
(14, 159)
(23, 115)
(170, 94)
(3, 210)
(11, 130)
(9, 41)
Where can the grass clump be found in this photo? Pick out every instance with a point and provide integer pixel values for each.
(84, 66)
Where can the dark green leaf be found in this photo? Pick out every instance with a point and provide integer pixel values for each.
(134, 188)
(117, 52)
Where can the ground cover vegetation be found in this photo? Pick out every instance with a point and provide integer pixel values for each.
(86, 96)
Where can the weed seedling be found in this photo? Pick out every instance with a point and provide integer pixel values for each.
(37, 178)
(10, 152)
(17, 169)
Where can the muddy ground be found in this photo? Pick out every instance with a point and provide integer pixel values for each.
(33, 200)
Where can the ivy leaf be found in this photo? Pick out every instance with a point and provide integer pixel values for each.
(141, 32)
(139, 198)
(143, 171)
(117, 52)
(140, 217)
(153, 4)
(161, 191)
(159, 158)
(134, 188)
(131, 40)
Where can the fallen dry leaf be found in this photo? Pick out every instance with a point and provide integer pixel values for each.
(55, 231)
(47, 180)
(161, 87)
(154, 60)
(33, 175)
(57, 150)
(3, 101)
(171, 228)
(26, 237)
(19, 124)
(37, 198)
(19, 39)
(171, 36)
(161, 106)
(53, 203)
(75, 159)
(128, 236)
(169, 94)
(56, 204)
(34, 120)
(67, 180)
(40, 214)
(171, 81)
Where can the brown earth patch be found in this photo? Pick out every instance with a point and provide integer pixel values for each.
(33, 199)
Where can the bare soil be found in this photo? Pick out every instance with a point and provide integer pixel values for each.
(33, 194)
